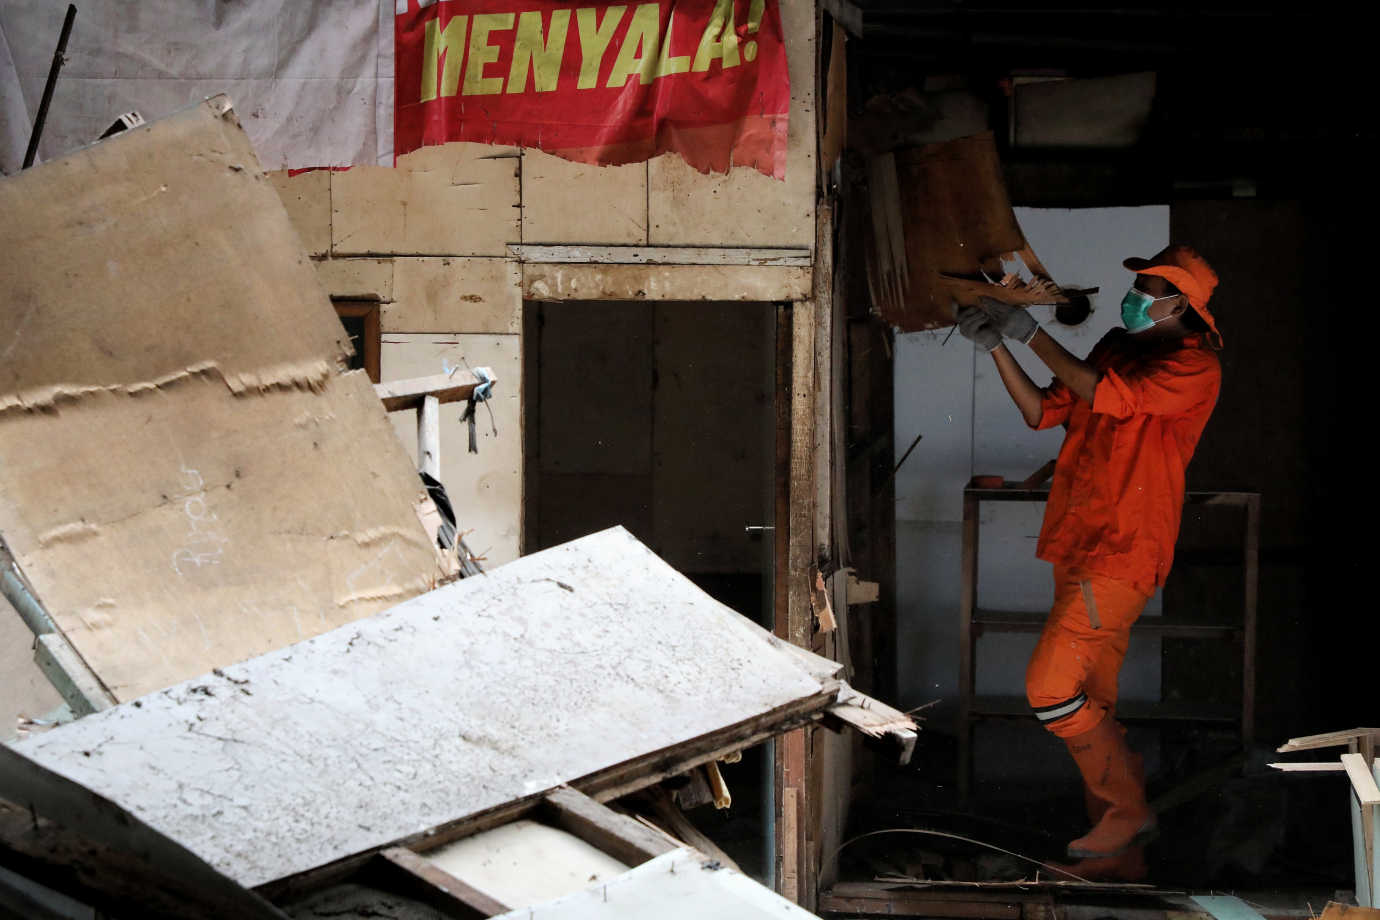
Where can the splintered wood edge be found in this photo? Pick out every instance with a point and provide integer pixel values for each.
(603, 786)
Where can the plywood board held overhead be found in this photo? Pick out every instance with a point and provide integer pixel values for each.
(582, 663)
(186, 477)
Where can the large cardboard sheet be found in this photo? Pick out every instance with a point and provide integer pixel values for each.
(546, 670)
(186, 477)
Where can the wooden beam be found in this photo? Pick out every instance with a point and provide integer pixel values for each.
(1367, 790)
(659, 255)
(594, 281)
(623, 838)
(408, 394)
(403, 872)
(1330, 739)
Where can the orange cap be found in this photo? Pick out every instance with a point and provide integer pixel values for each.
(1187, 271)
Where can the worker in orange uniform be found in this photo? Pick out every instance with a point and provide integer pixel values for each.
(1133, 411)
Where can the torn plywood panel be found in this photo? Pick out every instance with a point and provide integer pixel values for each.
(176, 435)
(593, 663)
(566, 202)
(449, 200)
(942, 228)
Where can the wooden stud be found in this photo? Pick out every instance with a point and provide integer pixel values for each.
(621, 837)
(404, 872)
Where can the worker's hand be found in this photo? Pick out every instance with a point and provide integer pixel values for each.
(1012, 322)
(976, 326)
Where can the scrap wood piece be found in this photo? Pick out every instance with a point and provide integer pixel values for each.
(1324, 766)
(174, 468)
(593, 664)
(1362, 780)
(1328, 739)
(941, 224)
(398, 395)
(658, 806)
(875, 720)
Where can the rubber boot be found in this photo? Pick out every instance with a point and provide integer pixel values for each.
(1127, 867)
(1110, 775)
(1096, 807)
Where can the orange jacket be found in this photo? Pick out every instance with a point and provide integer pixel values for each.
(1118, 490)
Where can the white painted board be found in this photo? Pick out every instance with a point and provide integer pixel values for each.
(679, 885)
(548, 669)
(526, 862)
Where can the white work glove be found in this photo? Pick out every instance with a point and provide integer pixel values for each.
(1012, 322)
(976, 326)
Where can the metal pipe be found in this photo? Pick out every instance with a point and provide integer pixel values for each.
(48, 88)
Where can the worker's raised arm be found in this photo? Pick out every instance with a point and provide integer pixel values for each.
(1028, 397)
(1078, 375)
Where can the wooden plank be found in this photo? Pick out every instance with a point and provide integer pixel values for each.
(404, 872)
(823, 438)
(665, 282)
(567, 202)
(408, 394)
(1362, 782)
(659, 255)
(1328, 739)
(1325, 766)
(918, 904)
(623, 838)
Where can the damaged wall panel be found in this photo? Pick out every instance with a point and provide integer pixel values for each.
(941, 219)
(591, 663)
(451, 200)
(176, 436)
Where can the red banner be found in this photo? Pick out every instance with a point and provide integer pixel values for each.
(602, 84)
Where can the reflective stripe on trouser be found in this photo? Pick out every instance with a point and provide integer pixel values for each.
(1072, 678)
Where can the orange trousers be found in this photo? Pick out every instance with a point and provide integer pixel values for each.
(1072, 678)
